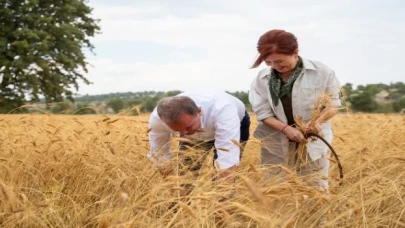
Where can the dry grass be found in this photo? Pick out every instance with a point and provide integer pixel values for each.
(91, 171)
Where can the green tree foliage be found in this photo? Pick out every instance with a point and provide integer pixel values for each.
(243, 96)
(363, 99)
(360, 88)
(385, 108)
(133, 102)
(65, 107)
(399, 86)
(347, 89)
(41, 49)
(116, 104)
(399, 105)
(83, 109)
(173, 93)
(372, 89)
(126, 96)
(360, 99)
(148, 105)
(345, 93)
(363, 102)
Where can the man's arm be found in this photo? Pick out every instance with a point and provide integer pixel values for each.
(228, 175)
(160, 141)
(227, 128)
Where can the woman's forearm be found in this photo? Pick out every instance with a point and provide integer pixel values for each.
(273, 122)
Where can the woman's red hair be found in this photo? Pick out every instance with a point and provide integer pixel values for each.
(275, 41)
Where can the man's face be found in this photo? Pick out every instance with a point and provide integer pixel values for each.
(187, 124)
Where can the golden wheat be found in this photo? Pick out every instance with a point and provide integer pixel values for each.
(92, 171)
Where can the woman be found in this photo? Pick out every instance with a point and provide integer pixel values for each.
(286, 89)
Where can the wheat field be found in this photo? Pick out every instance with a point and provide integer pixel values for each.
(92, 171)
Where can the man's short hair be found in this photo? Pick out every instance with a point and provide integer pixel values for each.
(170, 108)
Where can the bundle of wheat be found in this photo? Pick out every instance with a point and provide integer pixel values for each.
(323, 112)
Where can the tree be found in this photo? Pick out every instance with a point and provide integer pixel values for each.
(399, 105)
(347, 89)
(116, 104)
(395, 95)
(62, 107)
(173, 93)
(149, 105)
(360, 87)
(84, 108)
(363, 102)
(41, 49)
(243, 96)
(373, 89)
(385, 108)
(400, 86)
(133, 102)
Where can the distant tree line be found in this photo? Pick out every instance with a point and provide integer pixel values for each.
(130, 103)
(371, 98)
(375, 98)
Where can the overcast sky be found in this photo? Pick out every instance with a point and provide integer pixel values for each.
(168, 45)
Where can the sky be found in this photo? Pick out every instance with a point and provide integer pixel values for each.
(183, 45)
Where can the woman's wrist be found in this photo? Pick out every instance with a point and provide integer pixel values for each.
(283, 129)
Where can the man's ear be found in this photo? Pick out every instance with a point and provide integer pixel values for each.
(199, 110)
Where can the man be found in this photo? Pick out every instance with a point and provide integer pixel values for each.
(215, 117)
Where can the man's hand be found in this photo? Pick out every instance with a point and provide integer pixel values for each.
(294, 134)
(226, 183)
(227, 175)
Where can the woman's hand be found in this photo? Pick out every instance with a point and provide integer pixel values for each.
(294, 134)
(291, 132)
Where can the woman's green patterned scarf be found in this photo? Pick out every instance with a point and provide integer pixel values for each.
(276, 90)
